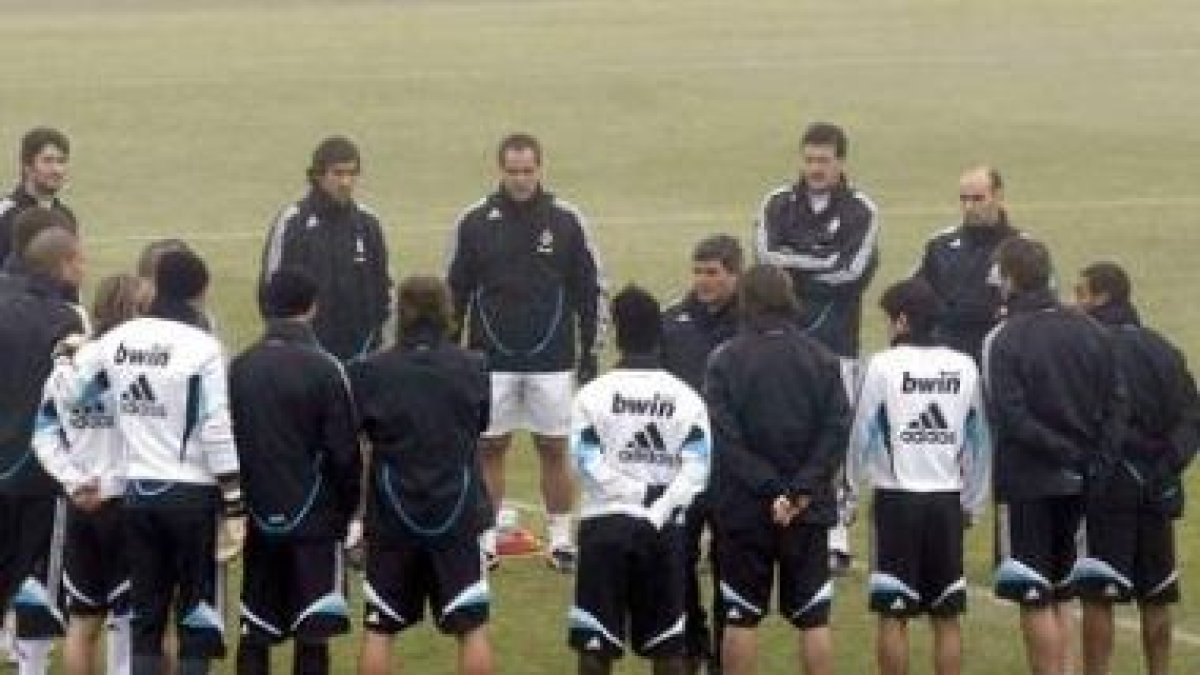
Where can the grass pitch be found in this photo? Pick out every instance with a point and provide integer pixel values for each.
(665, 121)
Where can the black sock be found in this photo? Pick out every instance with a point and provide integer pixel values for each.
(311, 658)
(253, 658)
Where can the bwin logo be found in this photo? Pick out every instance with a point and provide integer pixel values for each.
(654, 407)
(947, 382)
(929, 427)
(156, 355)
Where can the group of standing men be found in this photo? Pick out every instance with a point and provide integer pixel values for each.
(743, 407)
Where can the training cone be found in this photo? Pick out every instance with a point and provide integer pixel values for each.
(517, 541)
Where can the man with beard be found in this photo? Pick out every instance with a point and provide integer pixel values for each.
(959, 263)
(44, 156)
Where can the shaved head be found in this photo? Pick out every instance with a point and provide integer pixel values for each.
(55, 253)
(981, 196)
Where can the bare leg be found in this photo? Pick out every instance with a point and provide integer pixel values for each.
(475, 653)
(947, 646)
(492, 454)
(739, 651)
(891, 650)
(1097, 637)
(1156, 638)
(816, 651)
(1045, 643)
(79, 649)
(558, 490)
(375, 656)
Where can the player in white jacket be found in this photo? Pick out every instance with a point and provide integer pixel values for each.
(168, 376)
(920, 441)
(80, 447)
(641, 443)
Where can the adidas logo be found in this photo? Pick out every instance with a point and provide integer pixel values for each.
(594, 645)
(898, 604)
(1111, 591)
(139, 399)
(733, 613)
(947, 382)
(648, 447)
(374, 618)
(929, 427)
(1032, 594)
(494, 214)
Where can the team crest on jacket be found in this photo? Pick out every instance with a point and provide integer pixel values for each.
(546, 242)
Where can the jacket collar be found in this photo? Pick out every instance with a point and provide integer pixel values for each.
(324, 205)
(178, 310)
(1032, 301)
(707, 314)
(505, 201)
(771, 324)
(639, 362)
(914, 341)
(421, 335)
(989, 234)
(1116, 314)
(24, 198)
(291, 331)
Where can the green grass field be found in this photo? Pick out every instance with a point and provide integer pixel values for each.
(665, 121)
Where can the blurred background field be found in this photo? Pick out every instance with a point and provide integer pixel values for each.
(664, 121)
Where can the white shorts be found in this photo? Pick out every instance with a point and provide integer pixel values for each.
(537, 402)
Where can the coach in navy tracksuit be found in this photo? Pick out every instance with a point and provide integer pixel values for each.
(692, 329)
(1054, 402)
(526, 281)
(959, 263)
(296, 439)
(1137, 491)
(339, 241)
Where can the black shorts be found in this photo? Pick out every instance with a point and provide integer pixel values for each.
(292, 588)
(917, 554)
(97, 572)
(401, 577)
(1128, 555)
(629, 575)
(32, 537)
(748, 558)
(1037, 543)
(172, 558)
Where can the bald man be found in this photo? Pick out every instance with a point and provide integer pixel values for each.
(34, 316)
(958, 262)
